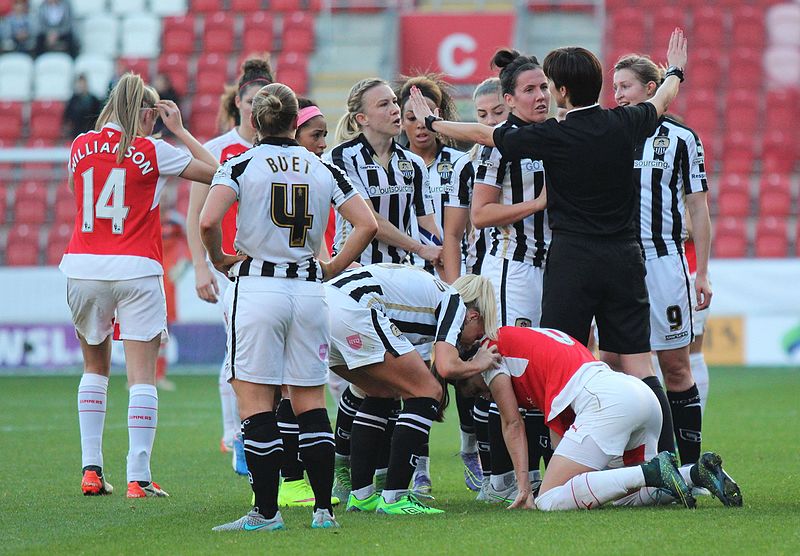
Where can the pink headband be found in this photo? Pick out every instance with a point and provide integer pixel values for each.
(252, 81)
(307, 113)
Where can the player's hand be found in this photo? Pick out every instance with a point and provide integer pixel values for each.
(170, 115)
(677, 54)
(487, 358)
(419, 105)
(205, 283)
(702, 288)
(523, 501)
(227, 261)
(432, 253)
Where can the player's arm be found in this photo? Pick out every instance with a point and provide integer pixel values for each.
(514, 435)
(356, 211)
(205, 283)
(460, 131)
(219, 200)
(171, 116)
(454, 221)
(487, 210)
(676, 56)
(451, 367)
(697, 205)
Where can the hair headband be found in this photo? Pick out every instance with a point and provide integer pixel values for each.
(256, 80)
(307, 113)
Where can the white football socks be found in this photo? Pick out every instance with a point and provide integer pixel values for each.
(92, 394)
(592, 490)
(142, 422)
(231, 423)
(469, 443)
(697, 362)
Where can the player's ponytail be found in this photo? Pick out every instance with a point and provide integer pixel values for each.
(511, 63)
(348, 127)
(256, 72)
(477, 293)
(228, 115)
(274, 110)
(128, 97)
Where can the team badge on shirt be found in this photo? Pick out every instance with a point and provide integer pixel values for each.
(406, 168)
(445, 170)
(660, 145)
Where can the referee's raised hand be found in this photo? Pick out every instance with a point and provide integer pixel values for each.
(677, 52)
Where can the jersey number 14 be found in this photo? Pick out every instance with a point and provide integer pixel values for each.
(298, 221)
(110, 203)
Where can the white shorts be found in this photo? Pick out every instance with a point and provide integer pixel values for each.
(622, 417)
(670, 302)
(137, 305)
(278, 332)
(361, 336)
(699, 318)
(518, 290)
(225, 289)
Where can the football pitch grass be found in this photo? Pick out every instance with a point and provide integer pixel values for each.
(752, 420)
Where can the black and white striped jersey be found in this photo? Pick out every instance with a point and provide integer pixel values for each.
(443, 180)
(475, 242)
(399, 193)
(284, 193)
(520, 180)
(423, 308)
(669, 165)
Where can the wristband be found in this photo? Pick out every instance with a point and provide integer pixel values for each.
(676, 71)
(429, 122)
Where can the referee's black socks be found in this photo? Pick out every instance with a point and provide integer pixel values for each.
(687, 420)
(316, 450)
(263, 451)
(411, 434)
(666, 442)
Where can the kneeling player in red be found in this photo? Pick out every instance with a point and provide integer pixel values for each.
(599, 420)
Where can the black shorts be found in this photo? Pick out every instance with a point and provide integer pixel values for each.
(603, 278)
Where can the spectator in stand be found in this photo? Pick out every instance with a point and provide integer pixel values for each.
(81, 110)
(17, 29)
(54, 22)
(166, 90)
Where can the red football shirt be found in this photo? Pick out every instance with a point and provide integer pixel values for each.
(117, 234)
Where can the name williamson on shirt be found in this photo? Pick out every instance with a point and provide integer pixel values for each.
(103, 147)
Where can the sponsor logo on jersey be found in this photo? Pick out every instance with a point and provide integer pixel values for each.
(532, 165)
(370, 167)
(677, 336)
(700, 176)
(445, 170)
(406, 168)
(376, 190)
(660, 145)
(664, 165)
(523, 323)
(354, 341)
(323, 352)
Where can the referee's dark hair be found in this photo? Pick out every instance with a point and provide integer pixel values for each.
(511, 63)
(578, 70)
(274, 110)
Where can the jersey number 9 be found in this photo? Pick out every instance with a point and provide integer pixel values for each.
(298, 221)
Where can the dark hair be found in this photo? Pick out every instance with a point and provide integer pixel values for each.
(303, 102)
(642, 67)
(433, 87)
(255, 71)
(511, 63)
(228, 115)
(274, 110)
(578, 70)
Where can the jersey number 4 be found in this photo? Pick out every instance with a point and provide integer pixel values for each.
(110, 203)
(298, 221)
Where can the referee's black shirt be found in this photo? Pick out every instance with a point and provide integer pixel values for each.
(588, 159)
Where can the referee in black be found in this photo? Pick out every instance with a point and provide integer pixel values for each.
(595, 266)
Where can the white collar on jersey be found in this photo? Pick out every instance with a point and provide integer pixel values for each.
(113, 125)
(578, 109)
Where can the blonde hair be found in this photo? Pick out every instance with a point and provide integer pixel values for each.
(478, 293)
(645, 69)
(489, 86)
(123, 107)
(348, 127)
(274, 110)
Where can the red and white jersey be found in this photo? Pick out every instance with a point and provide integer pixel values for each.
(224, 147)
(691, 255)
(547, 370)
(117, 233)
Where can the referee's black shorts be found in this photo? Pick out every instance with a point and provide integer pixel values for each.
(598, 277)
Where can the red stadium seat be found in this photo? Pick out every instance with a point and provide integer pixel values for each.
(218, 36)
(665, 19)
(204, 116)
(22, 245)
(212, 74)
(64, 206)
(771, 238)
(178, 35)
(733, 203)
(11, 116)
(730, 238)
(176, 66)
(259, 33)
(3, 204)
(298, 33)
(748, 26)
(238, 6)
(742, 111)
(206, 6)
(627, 29)
(293, 70)
(707, 69)
(707, 27)
(57, 240)
(775, 203)
(780, 152)
(739, 153)
(30, 203)
(135, 65)
(46, 119)
(285, 5)
(747, 67)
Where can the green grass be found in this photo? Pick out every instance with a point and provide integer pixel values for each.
(752, 420)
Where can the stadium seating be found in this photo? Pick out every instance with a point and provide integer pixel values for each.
(135, 65)
(83, 8)
(126, 7)
(21, 67)
(140, 36)
(748, 26)
(11, 116)
(730, 238)
(22, 245)
(45, 121)
(57, 240)
(30, 203)
(734, 196)
(64, 206)
(178, 35)
(771, 238)
(782, 65)
(298, 33)
(176, 66)
(99, 71)
(100, 34)
(783, 22)
(775, 196)
(246, 6)
(218, 33)
(258, 34)
(168, 7)
(212, 74)
(53, 76)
